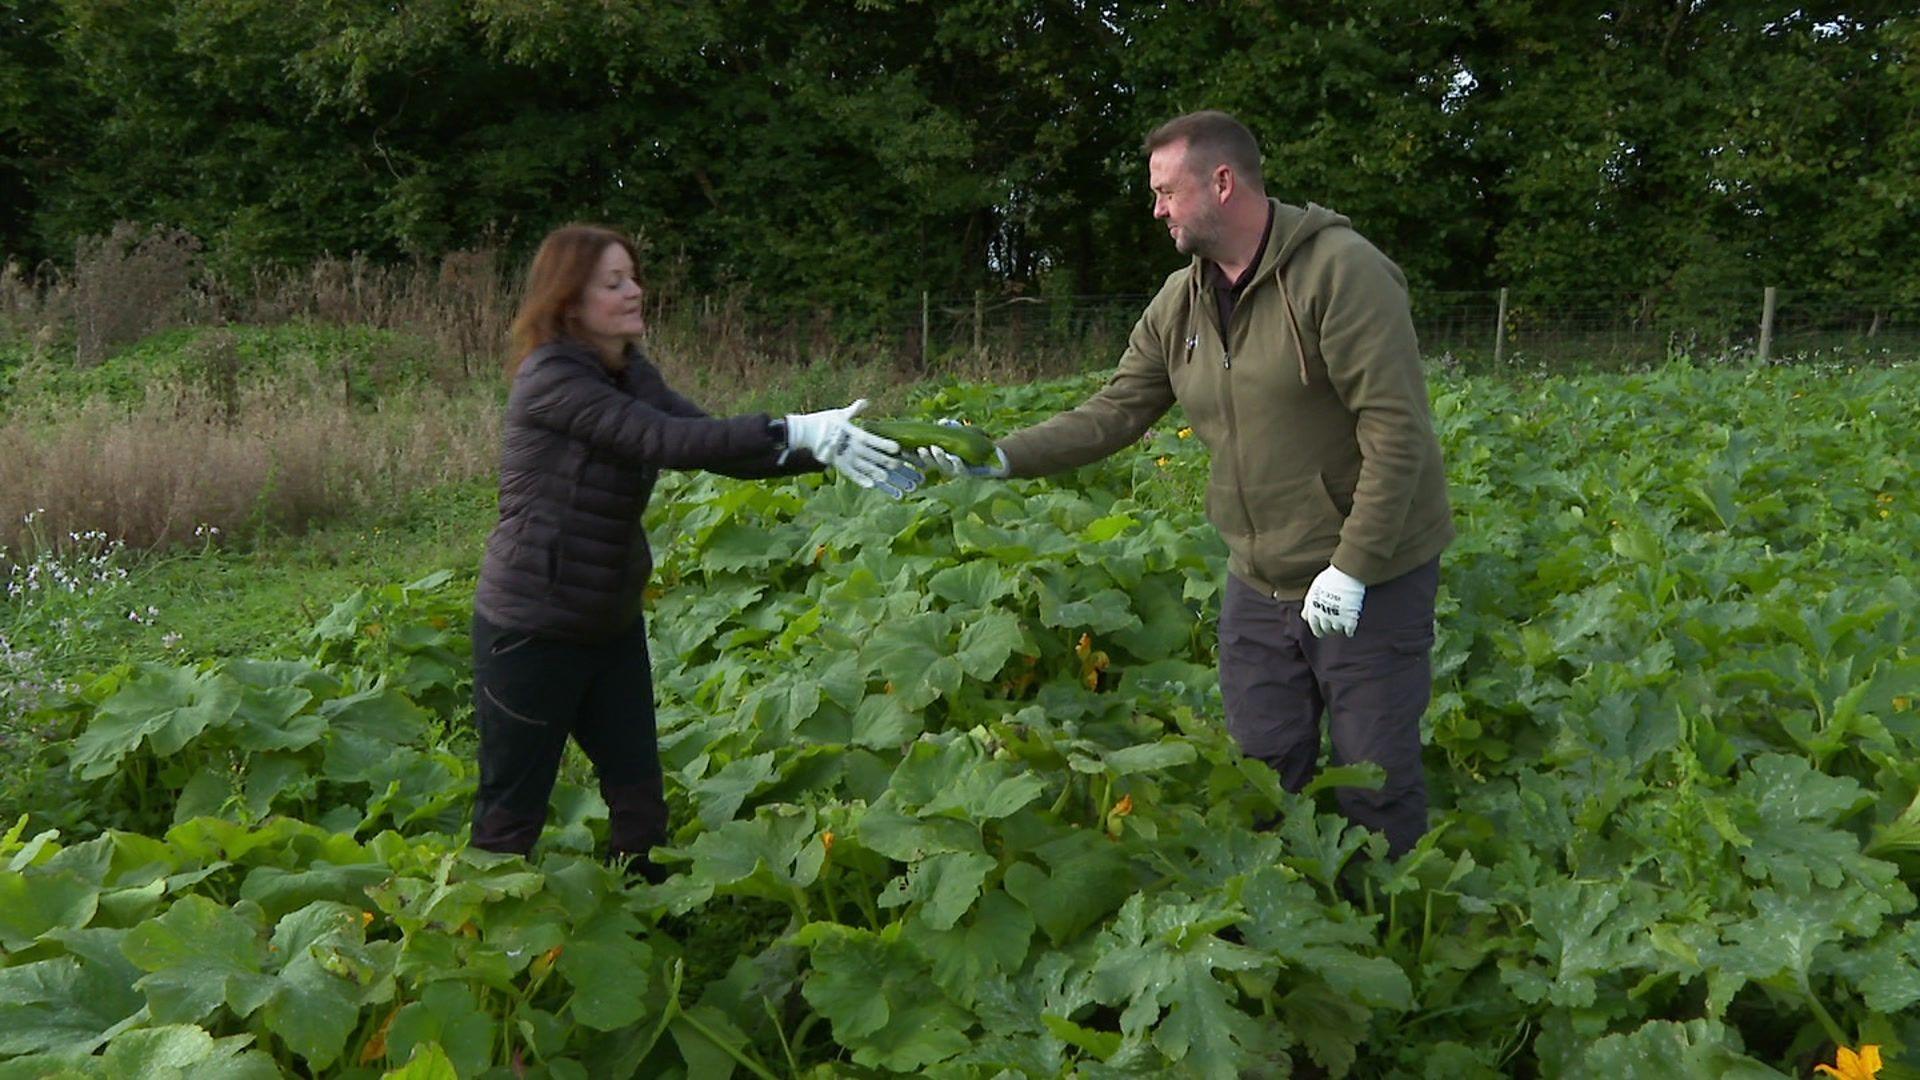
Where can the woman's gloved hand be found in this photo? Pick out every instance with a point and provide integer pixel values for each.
(833, 439)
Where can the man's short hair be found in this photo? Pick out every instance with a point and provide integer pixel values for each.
(1212, 138)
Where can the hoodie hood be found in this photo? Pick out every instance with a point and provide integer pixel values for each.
(1292, 227)
(1289, 231)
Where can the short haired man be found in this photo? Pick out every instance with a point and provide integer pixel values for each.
(1289, 342)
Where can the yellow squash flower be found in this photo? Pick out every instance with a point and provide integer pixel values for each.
(1848, 1065)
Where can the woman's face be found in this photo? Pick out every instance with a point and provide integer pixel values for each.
(608, 311)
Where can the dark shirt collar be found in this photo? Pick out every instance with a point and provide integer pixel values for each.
(1218, 277)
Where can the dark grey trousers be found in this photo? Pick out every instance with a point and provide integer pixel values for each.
(1278, 679)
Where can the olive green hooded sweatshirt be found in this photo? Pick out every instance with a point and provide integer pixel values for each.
(1312, 403)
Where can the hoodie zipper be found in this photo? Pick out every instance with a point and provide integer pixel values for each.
(1226, 408)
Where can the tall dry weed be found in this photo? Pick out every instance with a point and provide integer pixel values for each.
(284, 457)
(460, 304)
(131, 283)
(35, 306)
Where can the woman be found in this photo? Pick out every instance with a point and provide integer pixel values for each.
(559, 643)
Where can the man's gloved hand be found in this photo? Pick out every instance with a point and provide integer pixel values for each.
(831, 436)
(934, 459)
(1333, 603)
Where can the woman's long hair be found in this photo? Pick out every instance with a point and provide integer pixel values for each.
(560, 272)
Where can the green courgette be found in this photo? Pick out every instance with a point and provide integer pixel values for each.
(965, 443)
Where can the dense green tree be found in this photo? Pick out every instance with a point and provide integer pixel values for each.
(42, 115)
(1352, 104)
(837, 157)
(1679, 150)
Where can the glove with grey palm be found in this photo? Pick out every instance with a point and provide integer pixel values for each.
(833, 439)
(939, 459)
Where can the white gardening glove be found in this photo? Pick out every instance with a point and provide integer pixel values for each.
(867, 459)
(935, 459)
(1333, 603)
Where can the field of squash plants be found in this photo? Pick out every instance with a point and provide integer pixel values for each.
(953, 797)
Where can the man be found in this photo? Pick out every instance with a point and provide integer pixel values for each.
(1289, 343)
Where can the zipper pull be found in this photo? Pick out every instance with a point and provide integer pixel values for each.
(1226, 359)
(1193, 342)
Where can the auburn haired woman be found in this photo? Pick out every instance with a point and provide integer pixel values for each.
(559, 643)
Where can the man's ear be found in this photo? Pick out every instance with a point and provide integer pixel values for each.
(1223, 181)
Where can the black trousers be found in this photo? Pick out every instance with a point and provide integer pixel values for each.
(1277, 680)
(530, 693)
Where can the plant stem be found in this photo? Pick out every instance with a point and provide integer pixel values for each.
(732, 1051)
(1826, 1019)
(780, 1031)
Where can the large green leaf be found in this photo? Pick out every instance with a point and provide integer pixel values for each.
(1584, 932)
(883, 1003)
(883, 722)
(1791, 825)
(719, 796)
(164, 707)
(64, 1005)
(199, 956)
(915, 657)
(327, 973)
(275, 719)
(1660, 1049)
(909, 839)
(1167, 622)
(608, 970)
(445, 1015)
(427, 1062)
(1103, 612)
(985, 644)
(1779, 943)
(944, 886)
(1085, 880)
(778, 847)
(33, 902)
(1159, 962)
(1887, 971)
(1285, 917)
(994, 941)
(279, 892)
(184, 1052)
(955, 777)
(976, 583)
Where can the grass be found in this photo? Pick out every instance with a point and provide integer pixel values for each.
(183, 606)
(260, 601)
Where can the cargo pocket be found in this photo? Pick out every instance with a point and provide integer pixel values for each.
(512, 678)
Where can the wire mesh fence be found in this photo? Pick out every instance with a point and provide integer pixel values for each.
(1497, 327)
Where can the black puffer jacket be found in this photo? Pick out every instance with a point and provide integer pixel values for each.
(581, 450)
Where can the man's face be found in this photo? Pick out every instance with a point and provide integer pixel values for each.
(1185, 200)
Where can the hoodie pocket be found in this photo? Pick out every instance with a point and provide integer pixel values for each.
(1296, 526)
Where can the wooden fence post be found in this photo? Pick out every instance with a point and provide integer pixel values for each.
(979, 318)
(1500, 329)
(1766, 325)
(926, 327)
